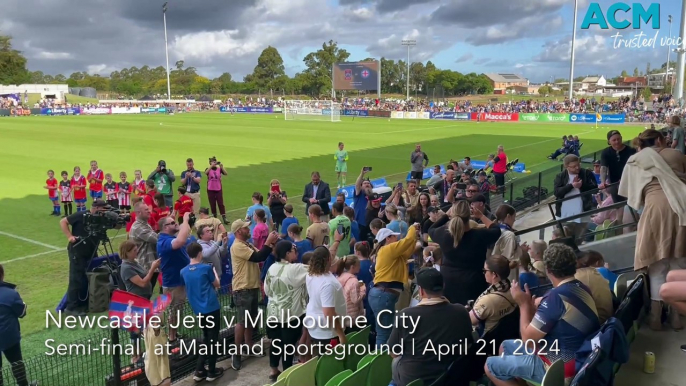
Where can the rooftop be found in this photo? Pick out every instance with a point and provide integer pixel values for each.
(506, 78)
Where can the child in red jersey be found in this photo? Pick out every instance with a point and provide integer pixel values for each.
(95, 178)
(183, 205)
(111, 191)
(160, 210)
(78, 187)
(124, 190)
(51, 185)
(139, 184)
(65, 193)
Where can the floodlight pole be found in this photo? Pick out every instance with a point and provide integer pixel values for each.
(166, 48)
(571, 64)
(410, 43)
(679, 95)
(669, 51)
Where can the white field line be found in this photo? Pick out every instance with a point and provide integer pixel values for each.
(46, 252)
(54, 248)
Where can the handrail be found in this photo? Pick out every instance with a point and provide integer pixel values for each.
(592, 191)
(570, 218)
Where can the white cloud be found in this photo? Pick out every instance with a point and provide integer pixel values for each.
(205, 46)
(362, 14)
(53, 55)
(100, 69)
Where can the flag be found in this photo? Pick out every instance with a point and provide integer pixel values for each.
(129, 310)
(160, 304)
(598, 117)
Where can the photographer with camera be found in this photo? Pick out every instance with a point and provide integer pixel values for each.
(81, 250)
(191, 180)
(171, 248)
(214, 187)
(163, 178)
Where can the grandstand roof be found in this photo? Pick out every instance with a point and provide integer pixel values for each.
(591, 79)
(506, 78)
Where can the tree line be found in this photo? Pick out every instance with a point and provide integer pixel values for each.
(267, 77)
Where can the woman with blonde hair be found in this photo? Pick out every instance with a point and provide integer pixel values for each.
(464, 252)
(655, 179)
(277, 201)
(394, 222)
(508, 243)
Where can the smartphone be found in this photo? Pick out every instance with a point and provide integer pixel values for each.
(461, 186)
(367, 168)
(400, 185)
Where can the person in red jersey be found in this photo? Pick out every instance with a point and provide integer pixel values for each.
(183, 205)
(66, 193)
(95, 178)
(111, 191)
(51, 185)
(160, 211)
(78, 187)
(139, 187)
(124, 190)
(149, 196)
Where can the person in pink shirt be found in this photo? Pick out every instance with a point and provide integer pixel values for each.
(611, 215)
(261, 230)
(346, 269)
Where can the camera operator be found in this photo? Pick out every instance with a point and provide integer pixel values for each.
(81, 250)
(163, 178)
(145, 238)
(171, 248)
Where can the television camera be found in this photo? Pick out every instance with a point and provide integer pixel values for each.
(97, 224)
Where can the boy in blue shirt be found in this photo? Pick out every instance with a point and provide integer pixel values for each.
(288, 221)
(201, 283)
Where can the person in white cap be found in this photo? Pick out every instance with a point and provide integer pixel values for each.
(391, 255)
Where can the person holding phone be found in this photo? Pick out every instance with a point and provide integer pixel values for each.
(419, 161)
(212, 251)
(342, 224)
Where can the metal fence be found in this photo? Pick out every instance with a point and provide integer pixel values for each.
(86, 366)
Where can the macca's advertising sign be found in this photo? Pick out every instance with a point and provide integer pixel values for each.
(496, 117)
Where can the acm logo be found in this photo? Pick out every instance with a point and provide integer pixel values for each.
(612, 18)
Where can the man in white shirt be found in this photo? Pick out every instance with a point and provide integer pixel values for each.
(574, 181)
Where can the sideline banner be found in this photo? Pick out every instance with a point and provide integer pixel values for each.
(96, 111)
(450, 115)
(612, 118)
(249, 109)
(582, 118)
(380, 114)
(544, 117)
(4, 112)
(496, 117)
(355, 113)
(397, 114)
(126, 110)
(423, 115)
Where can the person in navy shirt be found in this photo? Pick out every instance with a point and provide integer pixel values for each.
(202, 281)
(12, 308)
(565, 317)
(190, 178)
(171, 248)
(363, 189)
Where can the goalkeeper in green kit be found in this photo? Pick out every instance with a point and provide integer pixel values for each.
(341, 158)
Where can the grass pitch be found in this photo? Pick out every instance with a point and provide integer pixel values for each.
(255, 148)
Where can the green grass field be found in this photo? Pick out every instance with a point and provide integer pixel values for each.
(255, 148)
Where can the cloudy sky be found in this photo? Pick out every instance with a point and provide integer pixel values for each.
(529, 37)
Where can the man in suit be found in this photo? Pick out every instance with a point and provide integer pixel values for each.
(318, 192)
(574, 180)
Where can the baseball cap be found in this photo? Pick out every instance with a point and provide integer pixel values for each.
(596, 162)
(611, 133)
(384, 233)
(204, 211)
(238, 224)
(162, 163)
(375, 197)
(429, 279)
(432, 209)
(99, 203)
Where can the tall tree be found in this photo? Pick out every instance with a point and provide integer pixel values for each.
(12, 64)
(320, 63)
(624, 73)
(636, 73)
(269, 68)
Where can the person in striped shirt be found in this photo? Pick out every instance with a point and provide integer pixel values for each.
(65, 193)
(110, 191)
(124, 190)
